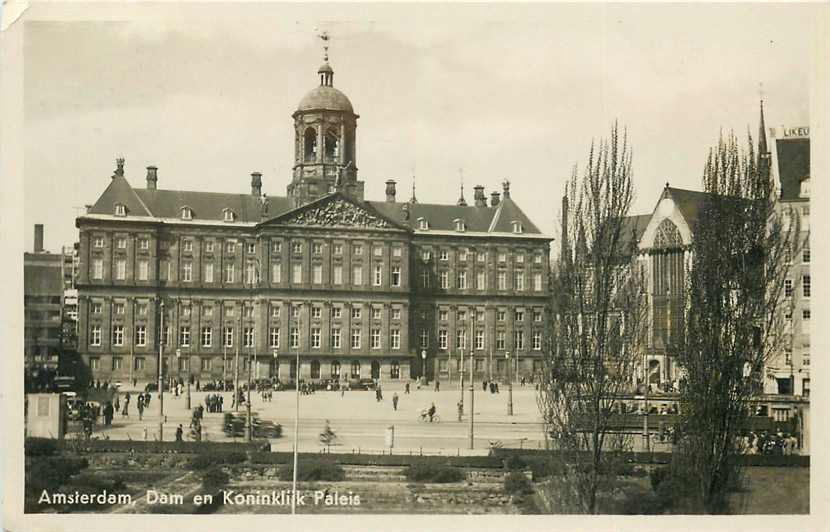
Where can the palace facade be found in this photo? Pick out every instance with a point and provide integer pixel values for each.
(360, 289)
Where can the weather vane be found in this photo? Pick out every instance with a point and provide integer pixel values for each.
(324, 36)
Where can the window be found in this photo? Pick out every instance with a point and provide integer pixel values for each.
(375, 339)
(805, 255)
(276, 246)
(442, 339)
(248, 336)
(139, 364)
(805, 286)
(520, 281)
(98, 242)
(355, 313)
(229, 273)
(358, 249)
(537, 258)
(209, 246)
(442, 315)
(316, 312)
(445, 255)
(119, 308)
(424, 338)
(397, 251)
(296, 247)
(396, 313)
(251, 247)
(167, 333)
(355, 369)
(120, 209)
(501, 315)
(296, 273)
(315, 338)
(805, 314)
(336, 313)
(461, 339)
(788, 287)
(187, 213)
(187, 271)
(502, 281)
(481, 256)
(423, 224)
(95, 335)
(537, 341)
(207, 336)
(805, 386)
(395, 339)
(517, 227)
(317, 274)
(480, 281)
(460, 225)
(462, 280)
(118, 335)
(500, 336)
(276, 272)
(186, 311)
(142, 309)
(537, 315)
(357, 275)
(121, 243)
(445, 279)
(230, 246)
(207, 273)
(462, 315)
(208, 312)
(188, 245)
(335, 338)
(274, 337)
(355, 338)
(143, 270)
(520, 315)
(376, 313)
(206, 364)
(462, 255)
(316, 248)
(335, 370)
(248, 312)
(537, 282)
(424, 278)
(479, 315)
(228, 336)
(337, 274)
(426, 255)
(295, 337)
(519, 258)
(251, 276)
(94, 363)
(395, 370)
(479, 345)
(502, 256)
(295, 311)
(377, 279)
(396, 276)
(141, 335)
(97, 269)
(337, 249)
(275, 310)
(377, 251)
(229, 215)
(121, 269)
(117, 363)
(184, 336)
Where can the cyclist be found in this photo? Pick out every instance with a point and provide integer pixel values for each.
(328, 435)
(431, 412)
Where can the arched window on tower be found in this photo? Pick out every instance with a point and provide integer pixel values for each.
(332, 148)
(310, 144)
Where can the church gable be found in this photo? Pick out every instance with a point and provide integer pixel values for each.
(337, 211)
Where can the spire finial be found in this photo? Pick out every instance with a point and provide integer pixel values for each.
(324, 36)
(413, 199)
(461, 201)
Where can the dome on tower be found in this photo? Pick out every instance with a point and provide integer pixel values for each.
(325, 97)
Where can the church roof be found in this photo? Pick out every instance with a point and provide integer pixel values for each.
(325, 98)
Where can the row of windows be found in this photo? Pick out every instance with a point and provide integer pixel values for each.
(463, 255)
(479, 340)
(806, 287)
(206, 337)
(462, 283)
(230, 246)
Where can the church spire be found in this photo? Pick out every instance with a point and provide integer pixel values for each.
(413, 199)
(461, 201)
(325, 71)
(764, 155)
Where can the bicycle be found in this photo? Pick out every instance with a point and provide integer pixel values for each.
(328, 438)
(424, 418)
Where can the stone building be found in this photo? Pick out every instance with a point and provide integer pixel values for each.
(360, 289)
(43, 292)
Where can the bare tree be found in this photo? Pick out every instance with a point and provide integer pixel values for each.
(734, 320)
(596, 326)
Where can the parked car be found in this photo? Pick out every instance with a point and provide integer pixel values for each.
(362, 384)
(234, 426)
(154, 387)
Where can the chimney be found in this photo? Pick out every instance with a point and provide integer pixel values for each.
(390, 191)
(479, 197)
(256, 184)
(38, 238)
(152, 177)
(505, 185)
(494, 199)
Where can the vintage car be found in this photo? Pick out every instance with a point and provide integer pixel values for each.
(234, 426)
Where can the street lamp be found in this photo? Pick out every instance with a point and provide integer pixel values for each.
(276, 365)
(178, 369)
(161, 372)
(296, 421)
(509, 386)
(423, 366)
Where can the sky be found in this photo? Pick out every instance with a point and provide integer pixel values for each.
(487, 92)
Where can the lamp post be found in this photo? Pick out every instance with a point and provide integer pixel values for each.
(254, 277)
(423, 366)
(509, 386)
(161, 372)
(296, 423)
(472, 397)
(276, 364)
(178, 369)
(461, 382)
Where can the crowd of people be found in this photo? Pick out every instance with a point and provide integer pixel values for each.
(780, 443)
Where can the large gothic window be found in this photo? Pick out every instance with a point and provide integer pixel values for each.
(310, 144)
(332, 148)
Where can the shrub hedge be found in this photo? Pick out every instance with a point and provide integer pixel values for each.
(517, 484)
(206, 460)
(313, 470)
(435, 473)
(135, 446)
(479, 462)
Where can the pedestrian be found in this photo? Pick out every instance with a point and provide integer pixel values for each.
(140, 408)
(108, 411)
(198, 386)
(484, 386)
(221, 403)
(117, 404)
(147, 399)
(179, 432)
(395, 401)
(406, 388)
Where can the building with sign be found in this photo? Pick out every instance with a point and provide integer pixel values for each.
(360, 289)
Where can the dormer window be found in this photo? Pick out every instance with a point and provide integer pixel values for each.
(120, 209)
(187, 213)
(229, 215)
(460, 225)
(423, 224)
(518, 227)
(805, 188)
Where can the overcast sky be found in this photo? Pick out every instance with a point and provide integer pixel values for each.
(514, 92)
